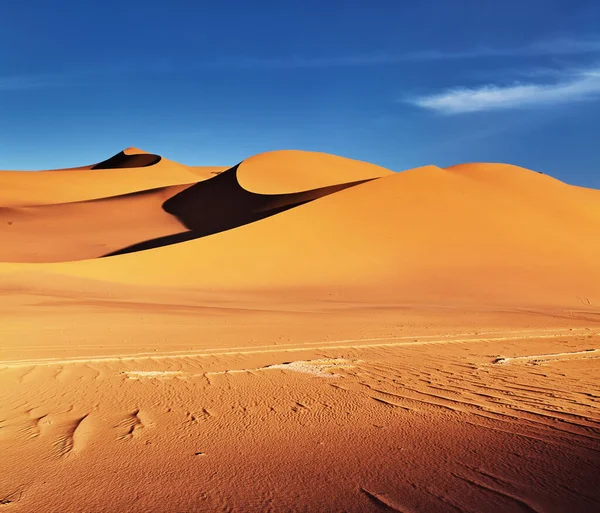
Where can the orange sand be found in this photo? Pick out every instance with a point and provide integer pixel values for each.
(300, 332)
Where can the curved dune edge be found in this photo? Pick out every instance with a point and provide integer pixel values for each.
(54, 231)
(221, 204)
(132, 150)
(288, 171)
(139, 221)
(128, 160)
(417, 235)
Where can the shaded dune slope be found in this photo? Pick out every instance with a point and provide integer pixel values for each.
(220, 204)
(123, 160)
(418, 235)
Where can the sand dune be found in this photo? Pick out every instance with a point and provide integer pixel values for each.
(141, 220)
(478, 231)
(80, 184)
(424, 233)
(298, 332)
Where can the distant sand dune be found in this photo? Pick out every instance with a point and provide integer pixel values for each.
(124, 160)
(27, 188)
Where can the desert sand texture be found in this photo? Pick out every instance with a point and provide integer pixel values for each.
(298, 332)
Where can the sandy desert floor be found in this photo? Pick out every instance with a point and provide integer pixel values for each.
(300, 332)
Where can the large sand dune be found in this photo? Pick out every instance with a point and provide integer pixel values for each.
(477, 232)
(157, 217)
(298, 332)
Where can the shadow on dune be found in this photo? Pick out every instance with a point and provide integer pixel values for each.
(121, 160)
(220, 204)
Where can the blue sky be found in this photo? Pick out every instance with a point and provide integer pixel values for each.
(400, 84)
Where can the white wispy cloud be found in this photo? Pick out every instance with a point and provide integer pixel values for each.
(581, 85)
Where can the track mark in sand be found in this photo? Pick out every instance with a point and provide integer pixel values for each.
(390, 403)
(26, 375)
(383, 502)
(67, 433)
(311, 346)
(321, 368)
(32, 426)
(498, 490)
(11, 498)
(74, 436)
(132, 425)
(82, 433)
(545, 357)
(192, 418)
(152, 374)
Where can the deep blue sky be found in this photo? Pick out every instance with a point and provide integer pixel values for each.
(397, 83)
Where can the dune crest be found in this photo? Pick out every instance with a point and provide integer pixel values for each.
(35, 188)
(131, 157)
(287, 171)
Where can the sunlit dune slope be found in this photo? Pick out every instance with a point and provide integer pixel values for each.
(520, 181)
(484, 233)
(141, 220)
(88, 229)
(27, 188)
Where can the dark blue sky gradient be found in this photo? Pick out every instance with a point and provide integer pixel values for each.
(213, 83)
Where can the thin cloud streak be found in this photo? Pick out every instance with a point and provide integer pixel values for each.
(556, 47)
(584, 86)
(29, 82)
(537, 49)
